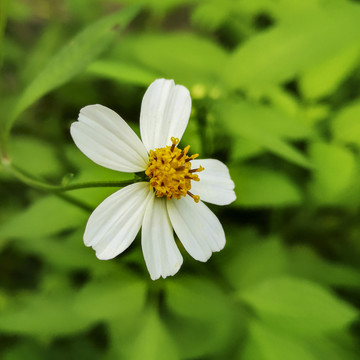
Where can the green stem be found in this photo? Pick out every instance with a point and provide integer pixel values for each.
(29, 180)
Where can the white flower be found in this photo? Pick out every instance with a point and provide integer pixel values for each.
(164, 202)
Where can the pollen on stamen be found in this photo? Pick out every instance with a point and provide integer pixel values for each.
(170, 173)
(195, 197)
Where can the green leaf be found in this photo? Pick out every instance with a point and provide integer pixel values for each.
(346, 124)
(68, 253)
(260, 187)
(289, 48)
(265, 127)
(34, 156)
(323, 79)
(334, 172)
(266, 344)
(25, 350)
(121, 296)
(178, 56)
(211, 14)
(305, 263)
(74, 57)
(48, 216)
(254, 262)
(334, 348)
(42, 315)
(299, 306)
(201, 317)
(153, 340)
(122, 72)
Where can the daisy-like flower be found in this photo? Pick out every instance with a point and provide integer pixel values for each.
(172, 196)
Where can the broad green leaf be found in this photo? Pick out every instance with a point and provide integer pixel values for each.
(47, 216)
(270, 120)
(322, 79)
(305, 263)
(243, 149)
(120, 296)
(346, 124)
(34, 156)
(201, 316)
(265, 127)
(74, 57)
(122, 72)
(299, 307)
(334, 172)
(260, 187)
(153, 340)
(266, 344)
(42, 315)
(178, 56)
(255, 262)
(289, 48)
(49, 41)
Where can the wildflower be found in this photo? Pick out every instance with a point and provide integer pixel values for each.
(172, 196)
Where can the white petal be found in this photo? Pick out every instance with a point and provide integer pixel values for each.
(215, 185)
(113, 225)
(104, 137)
(165, 112)
(161, 254)
(197, 227)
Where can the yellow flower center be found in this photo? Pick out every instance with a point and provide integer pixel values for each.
(170, 172)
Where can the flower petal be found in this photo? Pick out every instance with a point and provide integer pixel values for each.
(165, 112)
(161, 254)
(215, 185)
(104, 137)
(113, 225)
(197, 227)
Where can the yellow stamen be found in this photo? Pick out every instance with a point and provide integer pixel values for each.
(170, 173)
(195, 197)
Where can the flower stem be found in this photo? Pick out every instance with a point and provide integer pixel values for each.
(41, 185)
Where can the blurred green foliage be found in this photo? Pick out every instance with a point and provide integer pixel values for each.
(276, 94)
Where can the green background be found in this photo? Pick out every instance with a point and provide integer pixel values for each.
(276, 96)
